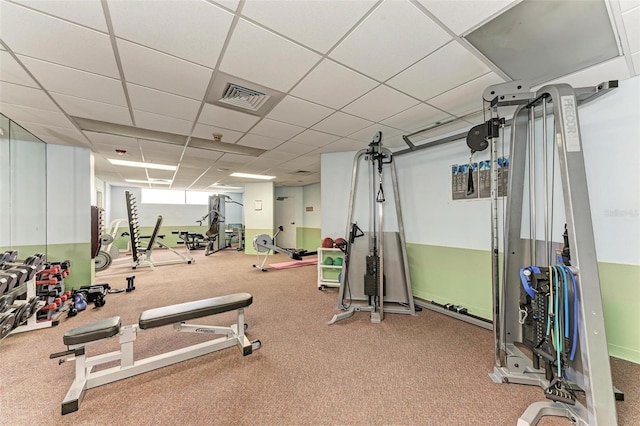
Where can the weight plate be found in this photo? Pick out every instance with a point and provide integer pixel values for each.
(33, 306)
(20, 317)
(7, 320)
(106, 239)
(103, 260)
(5, 301)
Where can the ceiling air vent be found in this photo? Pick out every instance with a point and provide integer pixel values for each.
(243, 97)
(301, 173)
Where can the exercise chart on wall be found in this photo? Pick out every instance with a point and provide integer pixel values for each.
(466, 185)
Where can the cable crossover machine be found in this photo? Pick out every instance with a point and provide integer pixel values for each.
(549, 300)
(385, 283)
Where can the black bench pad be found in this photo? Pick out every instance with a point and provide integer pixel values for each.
(200, 308)
(88, 333)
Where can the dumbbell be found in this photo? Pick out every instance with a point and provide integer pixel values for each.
(7, 321)
(11, 279)
(4, 283)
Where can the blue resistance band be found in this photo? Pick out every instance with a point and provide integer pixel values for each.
(525, 283)
(574, 343)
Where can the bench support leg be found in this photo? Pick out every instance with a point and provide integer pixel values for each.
(86, 378)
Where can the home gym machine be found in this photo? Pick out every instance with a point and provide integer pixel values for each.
(549, 299)
(382, 282)
(263, 244)
(141, 255)
(216, 235)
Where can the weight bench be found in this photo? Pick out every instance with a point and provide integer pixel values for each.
(79, 338)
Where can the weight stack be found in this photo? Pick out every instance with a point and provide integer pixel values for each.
(370, 284)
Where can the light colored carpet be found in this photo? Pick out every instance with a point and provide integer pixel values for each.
(427, 369)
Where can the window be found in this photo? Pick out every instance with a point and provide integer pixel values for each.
(198, 197)
(162, 196)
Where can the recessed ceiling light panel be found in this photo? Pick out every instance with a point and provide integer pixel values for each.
(539, 41)
(116, 162)
(252, 176)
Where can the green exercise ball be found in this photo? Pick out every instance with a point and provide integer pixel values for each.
(328, 260)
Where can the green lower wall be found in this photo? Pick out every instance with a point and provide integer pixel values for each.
(308, 238)
(463, 277)
(82, 266)
(249, 235)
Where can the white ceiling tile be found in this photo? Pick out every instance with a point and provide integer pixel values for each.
(58, 135)
(263, 57)
(85, 12)
(315, 138)
(317, 24)
(263, 164)
(162, 123)
(276, 129)
(78, 107)
(204, 154)
(236, 158)
(175, 27)
(446, 68)
(205, 131)
(615, 69)
(463, 15)
(294, 148)
(309, 161)
(56, 40)
(454, 127)
(159, 71)
(631, 21)
(343, 145)
(149, 147)
(160, 174)
(163, 103)
(467, 97)
(227, 118)
(342, 124)
(297, 111)
(12, 72)
(81, 84)
(109, 152)
(230, 4)
(279, 156)
(22, 114)
(367, 134)
(380, 103)
(626, 5)
(257, 141)
(26, 96)
(417, 117)
(333, 85)
(393, 37)
(113, 142)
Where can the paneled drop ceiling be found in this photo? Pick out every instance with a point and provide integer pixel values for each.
(328, 73)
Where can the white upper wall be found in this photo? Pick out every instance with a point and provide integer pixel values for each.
(610, 131)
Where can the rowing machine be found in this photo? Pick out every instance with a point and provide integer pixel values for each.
(264, 244)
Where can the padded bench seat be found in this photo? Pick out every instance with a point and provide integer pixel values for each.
(185, 311)
(88, 333)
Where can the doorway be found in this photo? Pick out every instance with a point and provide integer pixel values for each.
(285, 215)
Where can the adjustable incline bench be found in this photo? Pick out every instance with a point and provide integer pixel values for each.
(78, 338)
